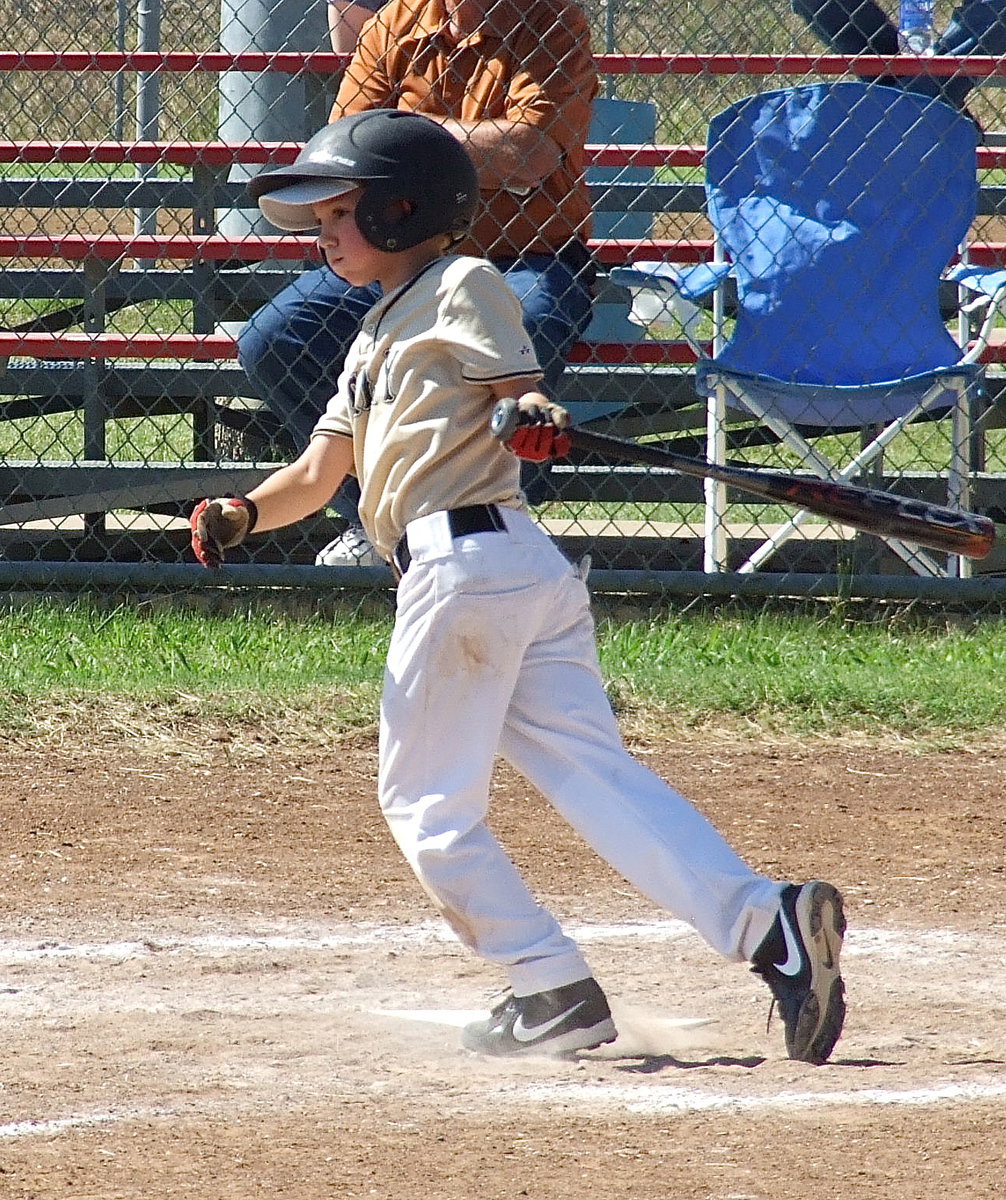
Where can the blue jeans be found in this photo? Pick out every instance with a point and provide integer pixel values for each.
(862, 27)
(293, 348)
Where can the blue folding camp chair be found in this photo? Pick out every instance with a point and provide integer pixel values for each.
(835, 207)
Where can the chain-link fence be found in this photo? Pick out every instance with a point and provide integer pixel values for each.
(134, 269)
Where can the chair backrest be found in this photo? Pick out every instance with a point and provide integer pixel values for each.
(840, 205)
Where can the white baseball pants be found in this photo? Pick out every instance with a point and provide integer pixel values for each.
(494, 651)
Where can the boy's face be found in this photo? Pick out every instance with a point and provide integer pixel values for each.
(346, 250)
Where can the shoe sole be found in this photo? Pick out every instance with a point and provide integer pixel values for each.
(563, 1044)
(821, 920)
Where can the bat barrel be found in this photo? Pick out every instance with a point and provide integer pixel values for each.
(942, 529)
(884, 514)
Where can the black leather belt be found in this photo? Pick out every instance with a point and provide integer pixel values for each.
(473, 518)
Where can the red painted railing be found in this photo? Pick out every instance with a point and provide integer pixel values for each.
(256, 248)
(324, 63)
(226, 154)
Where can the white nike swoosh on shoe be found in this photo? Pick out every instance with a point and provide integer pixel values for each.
(521, 1032)
(794, 959)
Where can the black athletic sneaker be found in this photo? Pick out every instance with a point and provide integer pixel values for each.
(799, 961)
(574, 1017)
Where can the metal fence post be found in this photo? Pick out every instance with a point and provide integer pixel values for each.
(266, 106)
(148, 100)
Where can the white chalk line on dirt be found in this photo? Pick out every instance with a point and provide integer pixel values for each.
(667, 1100)
(21, 1129)
(594, 1098)
(939, 946)
(392, 936)
(921, 946)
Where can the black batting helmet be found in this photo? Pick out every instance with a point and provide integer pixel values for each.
(394, 156)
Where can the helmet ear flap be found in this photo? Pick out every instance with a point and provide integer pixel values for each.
(387, 219)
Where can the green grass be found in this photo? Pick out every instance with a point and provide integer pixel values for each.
(60, 437)
(808, 673)
(163, 317)
(156, 670)
(77, 669)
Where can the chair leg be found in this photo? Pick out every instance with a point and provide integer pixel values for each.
(915, 558)
(959, 473)
(715, 541)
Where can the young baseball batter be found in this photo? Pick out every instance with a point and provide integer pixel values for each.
(493, 649)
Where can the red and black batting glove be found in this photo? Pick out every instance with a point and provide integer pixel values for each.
(541, 432)
(219, 525)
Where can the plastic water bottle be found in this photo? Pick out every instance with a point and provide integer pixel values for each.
(916, 34)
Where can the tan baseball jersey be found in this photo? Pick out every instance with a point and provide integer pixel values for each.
(415, 396)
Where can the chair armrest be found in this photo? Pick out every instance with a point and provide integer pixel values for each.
(692, 283)
(986, 281)
(989, 284)
(662, 292)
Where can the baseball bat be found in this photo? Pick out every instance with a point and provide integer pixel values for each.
(884, 514)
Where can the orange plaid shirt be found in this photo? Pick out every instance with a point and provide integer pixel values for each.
(532, 65)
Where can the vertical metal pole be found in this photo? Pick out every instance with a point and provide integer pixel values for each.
(715, 540)
(95, 373)
(148, 100)
(121, 16)
(609, 42)
(267, 106)
(962, 437)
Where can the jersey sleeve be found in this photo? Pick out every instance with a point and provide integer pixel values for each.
(483, 321)
(337, 418)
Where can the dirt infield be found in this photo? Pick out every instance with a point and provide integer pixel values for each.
(218, 980)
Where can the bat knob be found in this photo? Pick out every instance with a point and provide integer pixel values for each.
(505, 419)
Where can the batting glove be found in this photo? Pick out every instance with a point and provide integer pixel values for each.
(219, 525)
(540, 433)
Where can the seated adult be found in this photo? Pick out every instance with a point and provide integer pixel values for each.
(345, 20)
(862, 27)
(515, 84)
